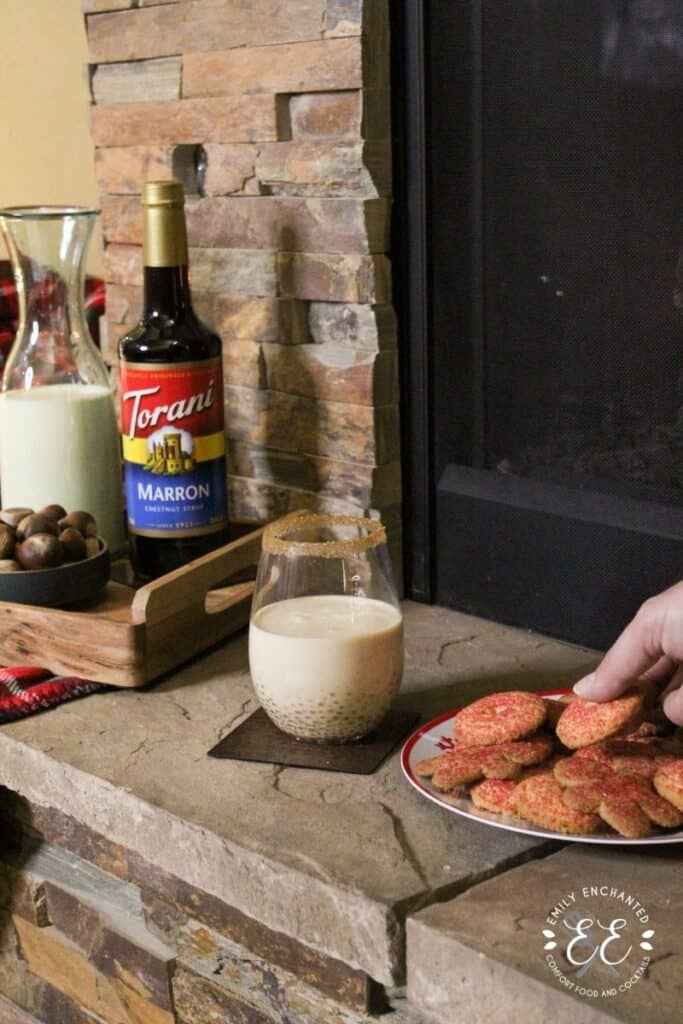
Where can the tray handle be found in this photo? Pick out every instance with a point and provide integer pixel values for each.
(191, 583)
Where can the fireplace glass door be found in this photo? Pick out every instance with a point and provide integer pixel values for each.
(551, 206)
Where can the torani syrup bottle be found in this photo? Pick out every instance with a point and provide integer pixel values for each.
(171, 404)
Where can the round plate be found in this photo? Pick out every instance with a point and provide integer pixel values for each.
(436, 737)
(71, 582)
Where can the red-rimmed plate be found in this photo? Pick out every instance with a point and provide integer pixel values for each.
(436, 737)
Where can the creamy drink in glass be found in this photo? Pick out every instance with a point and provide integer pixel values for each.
(326, 634)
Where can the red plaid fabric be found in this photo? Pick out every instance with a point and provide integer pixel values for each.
(25, 690)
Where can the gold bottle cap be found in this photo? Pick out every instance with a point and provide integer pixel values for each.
(169, 192)
(165, 236)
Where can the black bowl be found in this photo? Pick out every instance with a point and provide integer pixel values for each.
(71, 582)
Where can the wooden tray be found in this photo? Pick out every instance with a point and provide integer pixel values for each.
(128, 637)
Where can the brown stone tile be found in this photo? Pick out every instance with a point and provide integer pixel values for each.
(255, 319)
(333, 372)
(123, 264)
(40, 1002)
(224, 271)
(51, 956)
(12, 1014)
(97, 6)
(352, 433)
(234, 317)
(200, 1001)
(291, 224)
(268, 464)
(136, 962)
(122, 169)
(243, 364)
(193, 25)
(140, 80)
(326, 114)
(323, 168)
(164, 895)
(314, 66)
(228, 119)
(256, 501)
(363, 485)
(329, 277)
(234, 271)
(64, 831)
(360, 326)
(230, 169)
(23, 895)
(344, 17)
(263, 222)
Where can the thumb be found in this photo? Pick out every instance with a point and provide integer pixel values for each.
(636, 650)
(673, 701)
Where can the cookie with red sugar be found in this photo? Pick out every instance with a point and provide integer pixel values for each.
(495, 795)
(669, 782)
(498, 795)
(581, 771)
(555, 707)
(494, 761)
(469, 765)
(584, 722)
(539, 800)
(426, 768)
(625, 801)
(500, 718)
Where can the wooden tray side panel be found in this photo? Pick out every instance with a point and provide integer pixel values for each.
(100, 644)
(128, 638)
(189, 632)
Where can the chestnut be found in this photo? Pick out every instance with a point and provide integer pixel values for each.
(92, 546)
(13, 516)
(9, 565)
(74, 544)
(53, 512)
(81, 521)
(6, 541)
(40, 551)
(36, 523)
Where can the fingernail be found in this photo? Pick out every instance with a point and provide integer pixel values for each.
(585, 685)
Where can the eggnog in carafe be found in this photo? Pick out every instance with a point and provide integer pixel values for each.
(327, 667)
(59, 444)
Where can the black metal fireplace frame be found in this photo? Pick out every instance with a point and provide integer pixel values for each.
(554, 554)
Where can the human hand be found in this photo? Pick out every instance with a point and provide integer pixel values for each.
(650, 649)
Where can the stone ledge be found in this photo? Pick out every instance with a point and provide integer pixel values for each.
(464, 955)
(335, 862)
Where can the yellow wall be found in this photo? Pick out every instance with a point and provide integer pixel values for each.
(46, 155)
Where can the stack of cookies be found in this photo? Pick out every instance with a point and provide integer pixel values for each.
(569, 765)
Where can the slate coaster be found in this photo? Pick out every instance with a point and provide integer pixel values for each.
(257, 739)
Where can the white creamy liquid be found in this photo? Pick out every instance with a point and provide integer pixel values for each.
(326, 667)
(59, 444)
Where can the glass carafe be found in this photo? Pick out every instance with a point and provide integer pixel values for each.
(59, 440)
(326, 632)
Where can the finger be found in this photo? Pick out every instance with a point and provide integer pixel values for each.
(636, 652)
(661, 672)
(673, 701)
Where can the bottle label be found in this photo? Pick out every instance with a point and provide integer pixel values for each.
(173, 448)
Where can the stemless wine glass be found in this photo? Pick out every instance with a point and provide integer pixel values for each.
(326, 632)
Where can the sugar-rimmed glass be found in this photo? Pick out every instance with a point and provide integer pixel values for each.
(326, 632)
